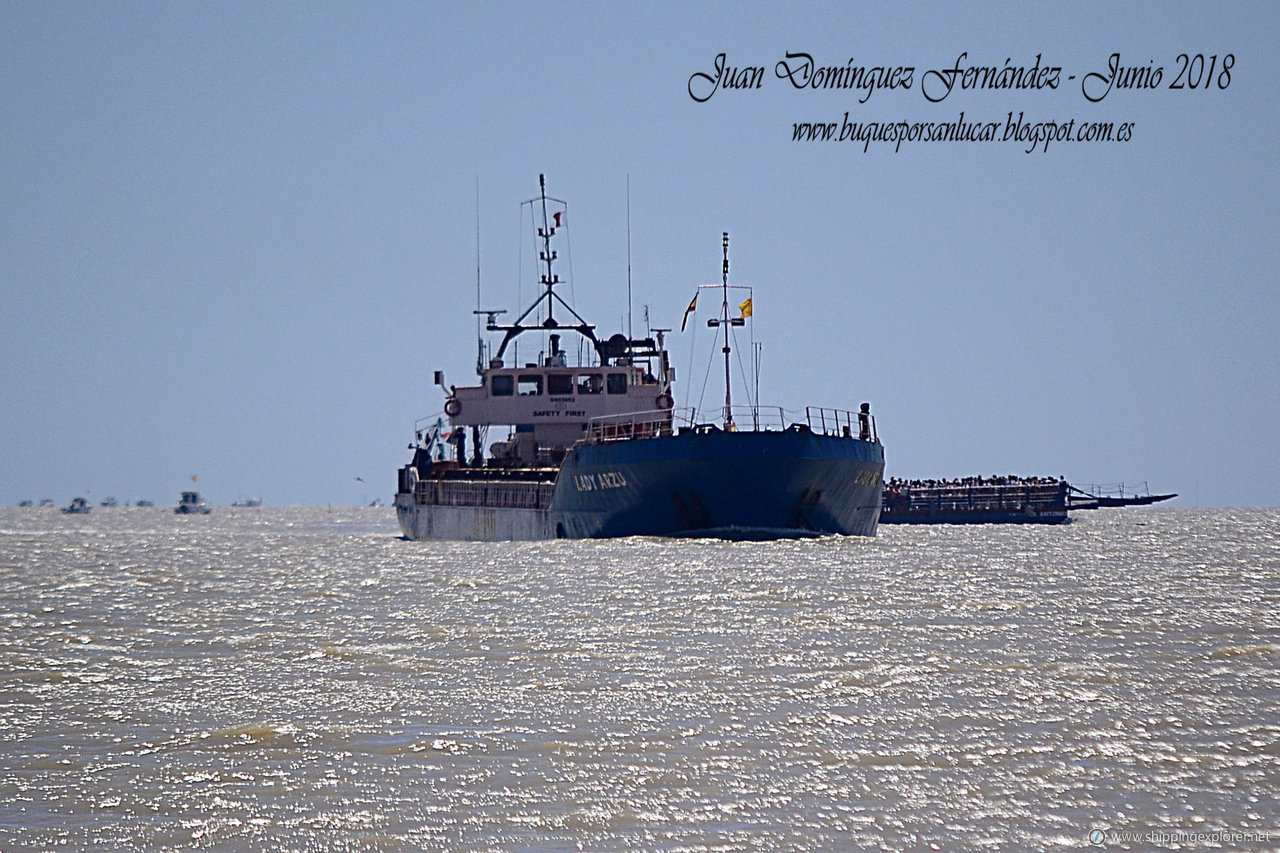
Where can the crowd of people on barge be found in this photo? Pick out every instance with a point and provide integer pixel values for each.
(895, 484)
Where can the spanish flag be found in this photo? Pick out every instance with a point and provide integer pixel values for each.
(745, 307)
(692, 305)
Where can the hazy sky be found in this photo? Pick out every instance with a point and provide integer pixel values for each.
(238, 238)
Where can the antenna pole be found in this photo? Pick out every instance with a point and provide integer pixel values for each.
(630, 335)
(479, 334)
(547, 255)
(724, 321)
(756, 407)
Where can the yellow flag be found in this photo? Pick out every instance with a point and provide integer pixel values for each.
(745, 307)
(692, 305)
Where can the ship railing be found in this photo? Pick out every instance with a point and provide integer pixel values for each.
(839, 422)
(760, 418)
(755, 418)
(428, 431)
(631, 425)
(746, 418)
(1113, 490)
(658, 422)
(491, 495)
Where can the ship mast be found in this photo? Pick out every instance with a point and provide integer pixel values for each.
(549, 280)
(724, 308)
(726, 322)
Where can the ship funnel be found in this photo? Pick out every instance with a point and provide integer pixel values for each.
(555, 358)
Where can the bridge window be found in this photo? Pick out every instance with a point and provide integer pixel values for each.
(530, 386)
(590, 383)
(559, 383)
(617, 383)
(501, 386)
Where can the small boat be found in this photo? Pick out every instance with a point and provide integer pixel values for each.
(78, 506)
(191, 504)
(110, 502)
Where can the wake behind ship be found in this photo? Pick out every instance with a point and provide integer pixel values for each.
(597, 449)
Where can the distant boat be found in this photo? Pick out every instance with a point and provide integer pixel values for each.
(191, 504)
(77, 506)
(110, 502)
(145, 502)
(248, 502)
(27, 502)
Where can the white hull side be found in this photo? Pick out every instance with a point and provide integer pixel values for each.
(475, 524)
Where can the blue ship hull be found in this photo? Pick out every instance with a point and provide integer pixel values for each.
(711, 482)
(701, 482)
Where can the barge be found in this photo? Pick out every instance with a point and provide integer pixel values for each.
(976, 500)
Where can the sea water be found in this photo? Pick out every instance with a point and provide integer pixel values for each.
(304, 679)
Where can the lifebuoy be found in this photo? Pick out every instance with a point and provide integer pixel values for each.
(452, 407)
(665, 401)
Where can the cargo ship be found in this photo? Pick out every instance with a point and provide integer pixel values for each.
(597, 449)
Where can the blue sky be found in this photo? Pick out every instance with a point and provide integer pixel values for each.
(238, 238)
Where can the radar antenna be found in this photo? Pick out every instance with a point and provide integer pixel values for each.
(549, 281)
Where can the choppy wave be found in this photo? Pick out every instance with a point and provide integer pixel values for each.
(304, 679)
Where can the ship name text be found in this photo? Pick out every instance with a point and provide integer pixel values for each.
(598, 481)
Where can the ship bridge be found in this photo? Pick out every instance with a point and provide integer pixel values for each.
(555, 402)
(549, 403)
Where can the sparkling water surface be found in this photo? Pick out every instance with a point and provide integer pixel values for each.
(303, 679)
